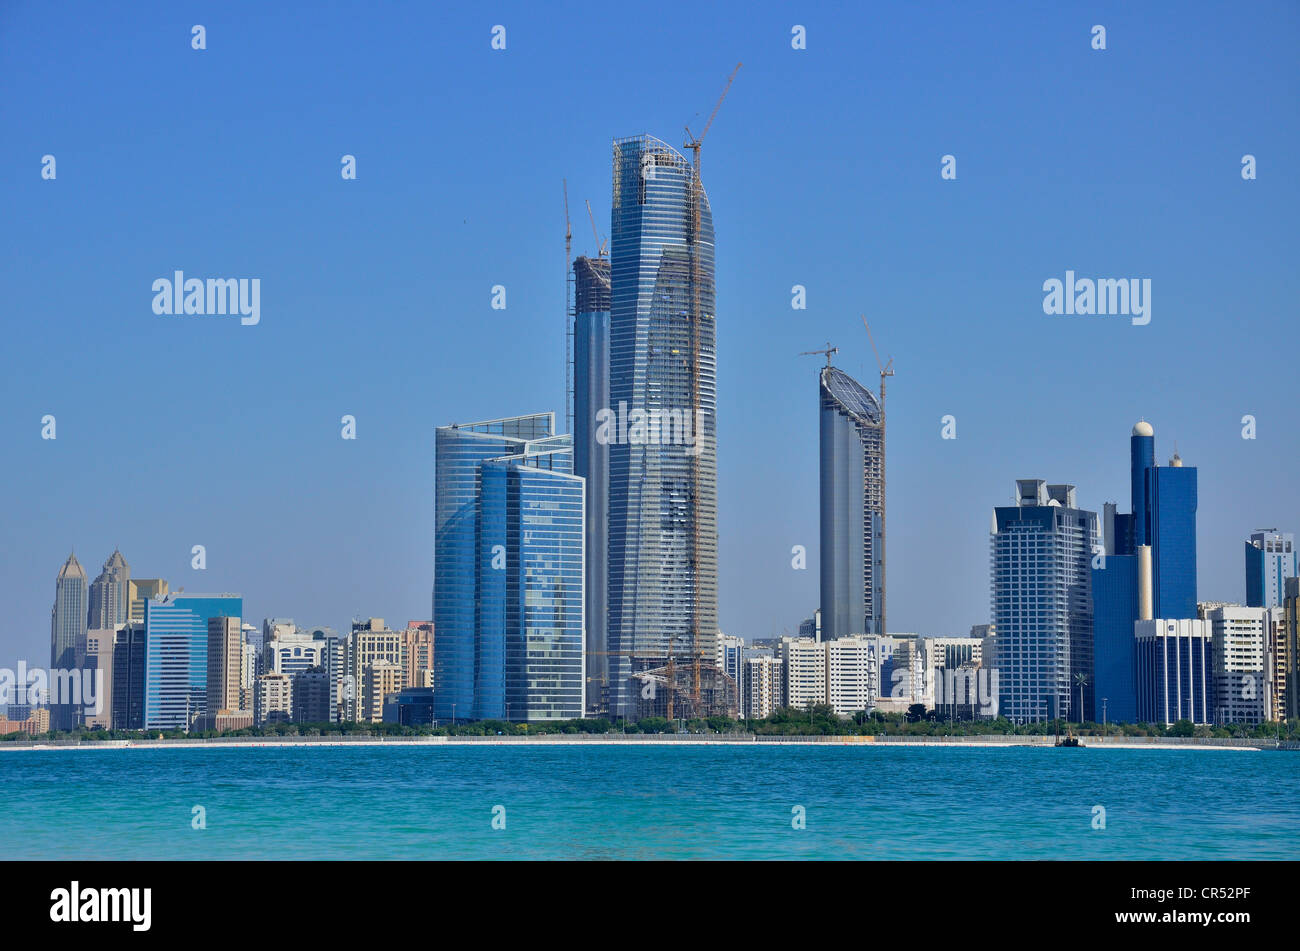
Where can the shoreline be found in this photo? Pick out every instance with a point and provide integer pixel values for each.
(607, 740)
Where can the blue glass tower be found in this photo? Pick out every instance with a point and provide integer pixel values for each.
(176, 655)
(591, 455)
(663, 553)
(1171, 514)
(1271, 558)
(508, 584)
(1162, 527)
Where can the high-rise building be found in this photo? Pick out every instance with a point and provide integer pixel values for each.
(1242, 693)
(225, 663)
(140, 590)
(273, 699)
(460, 451)
(67, 635)
(311, 696)
(763, 685)
(176, 656)
(128, 676)
(592, 298)
(1291, 620)
(99, 664)
(1147, 567)
(370, 643)
(417, 654)
(110, 594)
(509, 572)
(1271, 558)
(1042, 603)
(1175, 670)
(852, 507)
(804, 671)
(663, 546)
(382, 678)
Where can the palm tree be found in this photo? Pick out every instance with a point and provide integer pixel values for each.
(1082, 680)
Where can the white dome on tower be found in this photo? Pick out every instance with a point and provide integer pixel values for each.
(1143, 428)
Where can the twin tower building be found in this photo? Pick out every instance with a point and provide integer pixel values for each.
(578, 574)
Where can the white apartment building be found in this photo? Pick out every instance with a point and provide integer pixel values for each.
(1242, 667)
(762, 686)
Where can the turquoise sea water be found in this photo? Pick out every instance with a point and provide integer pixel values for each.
(650, 802)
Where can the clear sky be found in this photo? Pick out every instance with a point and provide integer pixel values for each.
(823, 169)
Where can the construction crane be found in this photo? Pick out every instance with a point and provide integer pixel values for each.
(886, 370)
(568, 315)
(828, 351)
(600, 253)
(694, 143)
(641, 655)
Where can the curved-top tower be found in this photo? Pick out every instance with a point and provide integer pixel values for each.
(663, 551)
(852, 507)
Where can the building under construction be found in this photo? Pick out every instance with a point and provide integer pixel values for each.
(852, 506)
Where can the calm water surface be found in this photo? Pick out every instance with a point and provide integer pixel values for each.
(650, 802)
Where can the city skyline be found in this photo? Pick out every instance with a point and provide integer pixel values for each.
(368, 514)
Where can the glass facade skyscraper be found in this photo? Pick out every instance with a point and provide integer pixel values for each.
(508, 582)
(1161, 528)
(1042, 603)
(663, 564)
(1271, 558)
(852, 514)
(176, 655)
(592, 294)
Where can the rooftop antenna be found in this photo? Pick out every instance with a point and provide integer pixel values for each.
(568, 313)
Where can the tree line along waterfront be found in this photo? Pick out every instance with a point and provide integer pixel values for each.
(817, 720)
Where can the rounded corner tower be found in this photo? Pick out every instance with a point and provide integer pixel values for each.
(852, 507)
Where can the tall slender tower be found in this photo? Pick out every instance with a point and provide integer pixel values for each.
(663, 551)
(67, 633)
(852, 507)
(110, 594)
(591, 456)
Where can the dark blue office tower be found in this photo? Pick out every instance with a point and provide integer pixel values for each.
(1142, 456)
(1149, 569)
(1171, 527)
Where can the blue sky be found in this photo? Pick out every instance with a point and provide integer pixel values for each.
(822, 169)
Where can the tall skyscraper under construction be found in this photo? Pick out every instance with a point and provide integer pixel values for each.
(591, 305)
(662, 440)
(852, 507)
